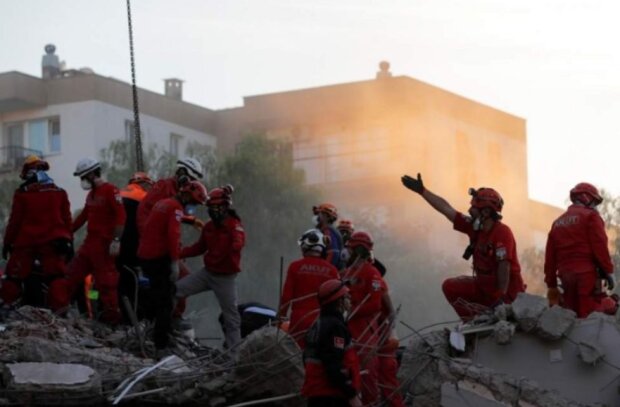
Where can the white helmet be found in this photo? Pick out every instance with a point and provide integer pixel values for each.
(85, 166)
(312, 240)
(193, 167)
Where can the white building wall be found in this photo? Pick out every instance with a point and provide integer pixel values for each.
(87, 127)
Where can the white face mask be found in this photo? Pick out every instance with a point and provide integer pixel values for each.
(477, 225)
(315, 220)
(345, 255)
(86, 185)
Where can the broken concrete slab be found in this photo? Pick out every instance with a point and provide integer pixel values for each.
(466, 393)
(527, 309)
(503, 312)
(44, 383)
(590, 352)
(555, 322)
(503, 332)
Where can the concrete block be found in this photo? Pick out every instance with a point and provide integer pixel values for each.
(590, 352)
(503, 332)
(555, 322)
(527, 309)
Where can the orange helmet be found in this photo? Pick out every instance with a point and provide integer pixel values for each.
(326, 208)
(33, 162)
(220, 196)
(141, 177)
(486, 198)
(196, 190)
(586, 194)
(331, 290)
(363, 239)
(346, 225)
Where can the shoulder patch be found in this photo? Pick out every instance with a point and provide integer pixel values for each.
(178, 214)
(239, 228)
(500, 253)
(376, 285)
(338, 342)
(118, 198)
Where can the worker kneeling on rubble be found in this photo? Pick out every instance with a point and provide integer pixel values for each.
(38, 230)
(332, 366)
(497, 274)
(159, 254)
(577, 253)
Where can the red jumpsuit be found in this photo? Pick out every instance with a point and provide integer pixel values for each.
(576, 247)
(164, 188)
(303, 279)
(367, 289)
(490, 248)
(103, 212)
(159, 246)
(39, 225)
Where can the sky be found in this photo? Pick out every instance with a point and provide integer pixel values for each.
(555, 63)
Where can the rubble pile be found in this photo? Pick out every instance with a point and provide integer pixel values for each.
(527, 354)
(46, 360)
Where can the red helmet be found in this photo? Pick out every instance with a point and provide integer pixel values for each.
(486, 198)
(140, 176)
(196, 190)
(326, 208)
(586, 194)
(361, 239)
(220, 196)
(346, 225)
(33, 162)
(331, 290)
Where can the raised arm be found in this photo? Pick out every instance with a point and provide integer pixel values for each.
(438, 203)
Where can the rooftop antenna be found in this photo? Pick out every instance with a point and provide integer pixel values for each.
(136, 109)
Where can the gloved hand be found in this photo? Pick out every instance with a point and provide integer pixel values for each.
(610, 281)
(6, 250)
(198, 224)
(115, 248)
(416, 185)
(553, 295)
(174, 271)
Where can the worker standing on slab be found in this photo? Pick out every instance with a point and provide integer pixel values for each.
(578, 254)
(159, 253)
(303, 279)
(332, 367)
(497, 273)
(38, 230)
(105, 215)
(324, 217)
(220, 243)
(369, 301)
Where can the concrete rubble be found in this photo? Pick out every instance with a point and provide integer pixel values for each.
(524, 354)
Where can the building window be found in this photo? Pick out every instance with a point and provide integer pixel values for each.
(37, 135)
(53, 127)
(175, 141)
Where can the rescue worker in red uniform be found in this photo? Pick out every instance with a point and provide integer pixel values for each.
(127, 261)
(346, 229)
(303, 279)
(324, 217)
(576, 249)
(332, 367)
(105, 215)
(497, 273)
(38, 229)
(188, 169)
(159, 254)
(220, 243)
(370, 301)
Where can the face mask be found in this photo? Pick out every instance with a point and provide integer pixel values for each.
(182, 180)
(315, 220)
(345, 255)
(215, 215)
(477, 225)
(190, 209)
(86, 185)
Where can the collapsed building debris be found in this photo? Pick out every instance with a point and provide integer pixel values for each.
(557, 361)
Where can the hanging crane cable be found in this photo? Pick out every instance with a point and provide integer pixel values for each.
(136, 109)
